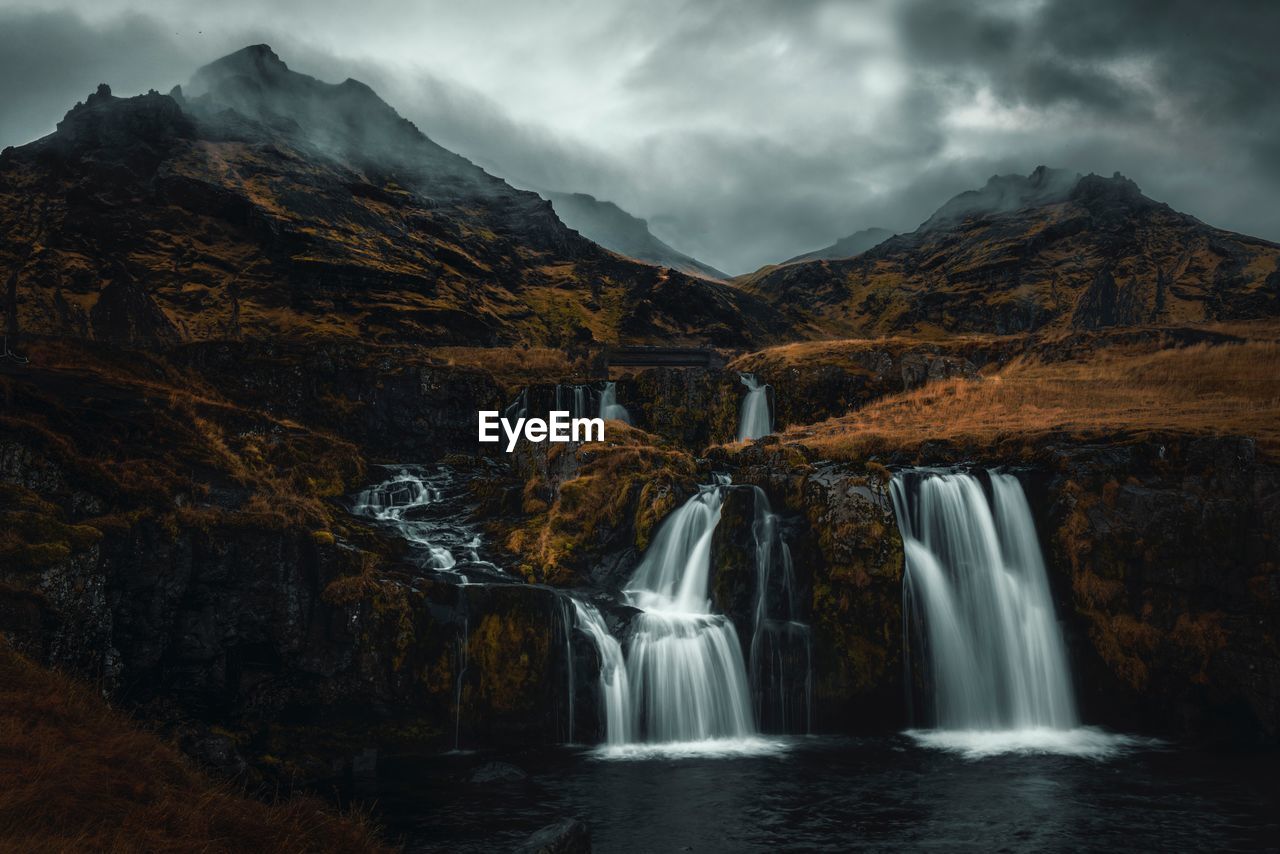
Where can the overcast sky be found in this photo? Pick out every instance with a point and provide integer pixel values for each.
(745, 132)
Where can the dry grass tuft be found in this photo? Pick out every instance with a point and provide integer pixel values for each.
(79, 776)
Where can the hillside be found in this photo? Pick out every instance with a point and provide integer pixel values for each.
(1050, 251)
(613, 228)
(262, 204)
(846, 247)
(81, 776)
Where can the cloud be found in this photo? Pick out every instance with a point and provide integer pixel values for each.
(746, 131)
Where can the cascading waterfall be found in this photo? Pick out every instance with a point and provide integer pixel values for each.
(781, 648)
(609, 406)
(398, 501)
(684, 664)
(755, 420)
(615, 689)
(976, 597)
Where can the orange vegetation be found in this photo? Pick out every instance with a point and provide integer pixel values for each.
(82, 777)
(1224, 389)
(512, 367)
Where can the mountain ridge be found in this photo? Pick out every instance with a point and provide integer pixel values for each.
(1050, 249)
(846, 247)
(606, 223)
(262, 203)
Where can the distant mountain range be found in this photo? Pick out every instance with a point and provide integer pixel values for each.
(1051, 249)
(613, 228)
(846, 247)
(263, 203)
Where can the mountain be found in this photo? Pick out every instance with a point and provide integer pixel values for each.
(846, 247)
(613, 228)
(1048, 250)
(261, 203)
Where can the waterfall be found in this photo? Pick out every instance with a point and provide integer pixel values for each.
(609, 406)
(460, 672)
(684, 664)
(401, 502)
(568, 608)
(756, 420)
(976, 597)
(519, 407)
(781, 662)
(574, 399)
(615, 689)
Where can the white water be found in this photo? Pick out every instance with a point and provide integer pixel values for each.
(782, 690)
(609, 406)
(574, 399)
(976, 592)
(755, 420)
(615, 689)
(396, 501)
(684, 664)
(1084, 741)
(976, 597)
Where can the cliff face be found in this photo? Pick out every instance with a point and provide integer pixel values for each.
(1044, 251)
(1162, 558)
(1168, 552)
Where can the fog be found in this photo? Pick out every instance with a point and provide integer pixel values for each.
(744, 132)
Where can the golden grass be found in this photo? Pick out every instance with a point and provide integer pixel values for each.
(845, 351)
(631, 475)
(511, 367)
(1227, 389)
(151, 433)
(79, 776)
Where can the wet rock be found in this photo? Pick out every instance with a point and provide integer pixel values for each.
(570, 836)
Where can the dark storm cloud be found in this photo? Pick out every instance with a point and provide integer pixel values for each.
(49, 60)
(1183, 96)
(746, 131)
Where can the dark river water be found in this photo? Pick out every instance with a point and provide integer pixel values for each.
(837, 794)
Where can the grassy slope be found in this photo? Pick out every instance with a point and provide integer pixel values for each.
(1199, 390)
(80, 776)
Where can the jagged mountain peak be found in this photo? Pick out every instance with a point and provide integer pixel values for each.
(1006, 193)
(264, 204)
(257, 60)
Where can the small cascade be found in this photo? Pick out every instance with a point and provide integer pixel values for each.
(684, 664)
(609, 406)
(781, 663)
(460, 673)
(402, 501)
(519, 407)
(576, 400)
(427, 507)
(976, 602)
(756, 419)
(615, 689)
(568, 609)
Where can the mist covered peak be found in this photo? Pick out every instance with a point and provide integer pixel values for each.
(257, 61)
(1006, 193)
(346, 120)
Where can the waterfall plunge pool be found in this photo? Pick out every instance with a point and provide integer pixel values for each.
(818, 793)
